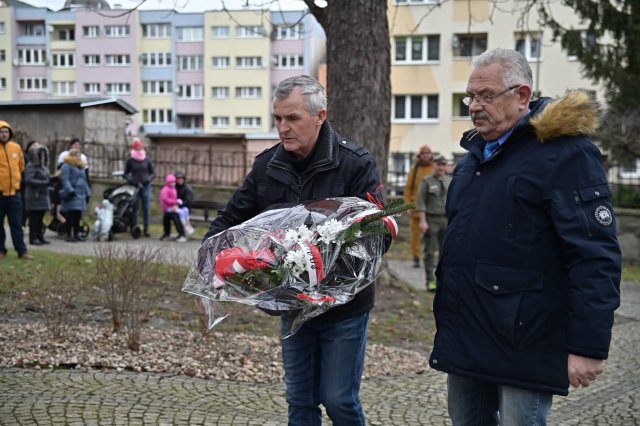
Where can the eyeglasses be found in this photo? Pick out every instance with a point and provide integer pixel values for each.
(486, 99)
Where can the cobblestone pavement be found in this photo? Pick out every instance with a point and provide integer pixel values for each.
(46, 397)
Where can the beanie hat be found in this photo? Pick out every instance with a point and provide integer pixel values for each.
(170, 179)
(137, 144)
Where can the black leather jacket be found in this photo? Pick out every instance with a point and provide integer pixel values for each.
(337, 168)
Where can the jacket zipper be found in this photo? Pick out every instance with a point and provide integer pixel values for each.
(6, 154)
(585, 221)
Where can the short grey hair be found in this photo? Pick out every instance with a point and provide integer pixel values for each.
(515, 65)
(315, 100)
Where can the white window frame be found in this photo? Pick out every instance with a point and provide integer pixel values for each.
(248, 122)
(190, 34)
(424, 112)
(220, 31)
(32, 56)
(63, 60)
(249, 92)
(250, 31)
(2, 27)
(117, 31)
(157, 87)
(220, 122)
(410, 41)
(458, 107)
(92, 88)
(190, 63)
(248, 62)
(286, 32)
(3, 83)
(190, 91)
(91, 60)
(35, 30)
(118, 88)
(285, 61)
(220, 62)
(117, 60)
(529, 40)
(32, 84)
(91, 31)
(157, 116)
(3, 55)
(156, 59)
(220, 92)
(584, 36)
(475, 48)
(63, 88)
(156, 30)
(66, 34)
(193, 121)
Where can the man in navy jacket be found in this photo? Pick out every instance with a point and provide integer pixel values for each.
(324, 359)
(530, 272)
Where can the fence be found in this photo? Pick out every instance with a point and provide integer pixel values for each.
(228, 168)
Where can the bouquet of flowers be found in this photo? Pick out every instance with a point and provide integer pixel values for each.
(298, 260)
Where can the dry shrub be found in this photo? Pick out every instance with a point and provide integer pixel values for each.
(58, 302)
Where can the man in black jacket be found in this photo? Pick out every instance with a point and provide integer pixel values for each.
(324, 359)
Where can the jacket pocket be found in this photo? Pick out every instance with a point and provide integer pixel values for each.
(593, 207)
(502, 289)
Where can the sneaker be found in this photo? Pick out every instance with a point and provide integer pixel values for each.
(25, 256)
(181, 239)
(189, 229)
(164, 237)
(431, 286)
(43, 241)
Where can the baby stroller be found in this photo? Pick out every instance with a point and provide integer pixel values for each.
(122, 197)
(58, 222)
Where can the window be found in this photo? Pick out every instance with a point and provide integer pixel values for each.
(220, 122)
(118, 88)
(2, 27)
(92, 88)
(287, 61)
(219, 92)
(459, 108)
(220, 32)
(286, 32)
(190, 121)
(189, 63)
(190, 34)
(156, 87)
(220, 62)
(588, 41)
(156, 59)
(415, 107)
(67, 34)
(91, 31)
(248, 92)
(32, 84)
(63, 60)
(248, 122)
(529, 44)
(3, 83)
(190, 91)
(248, 62)
(417, 48)
(3, 55)
(468, 45)
(253, 31)
(117, 60)
(116, 31)
(91, 60)
(157, 116)
(32, 56)
(34, 30)
(63, 88)
(156, 30)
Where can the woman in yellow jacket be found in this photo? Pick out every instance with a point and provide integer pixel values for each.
(11, 168)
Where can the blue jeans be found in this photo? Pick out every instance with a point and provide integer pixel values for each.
(11, 206)
(478, 403)
(144, 194)
(323, 364)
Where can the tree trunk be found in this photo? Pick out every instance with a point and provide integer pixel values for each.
(359, 72)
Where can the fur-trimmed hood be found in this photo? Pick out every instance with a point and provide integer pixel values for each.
(39, 156)
(74, 161)
(575, 114)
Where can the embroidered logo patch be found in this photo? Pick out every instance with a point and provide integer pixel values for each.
(603, 216)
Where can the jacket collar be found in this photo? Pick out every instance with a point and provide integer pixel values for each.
(325, 152)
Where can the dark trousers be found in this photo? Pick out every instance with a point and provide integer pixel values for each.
(11, 206)
(169, 217)
(73, 222)
(36, 227)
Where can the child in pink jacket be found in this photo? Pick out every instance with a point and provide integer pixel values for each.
(169, 204)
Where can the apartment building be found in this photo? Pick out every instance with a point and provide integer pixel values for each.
(432, 44)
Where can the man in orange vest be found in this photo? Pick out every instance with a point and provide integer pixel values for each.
(422, 167)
